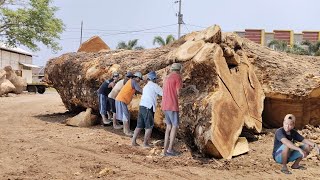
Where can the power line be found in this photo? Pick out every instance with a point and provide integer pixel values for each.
(187, 28)
(126, 31)
(196, 26)
(135, 33)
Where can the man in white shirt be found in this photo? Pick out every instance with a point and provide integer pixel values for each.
(147, 109)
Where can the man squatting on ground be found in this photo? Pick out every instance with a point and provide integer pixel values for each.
(103, 92)
(112, 96)
(285, 150)
(124, 98)
(147, 109)
(170, 106)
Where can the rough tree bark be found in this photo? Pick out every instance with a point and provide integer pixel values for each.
(221, 91)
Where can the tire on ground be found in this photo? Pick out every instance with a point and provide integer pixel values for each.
(41, 89)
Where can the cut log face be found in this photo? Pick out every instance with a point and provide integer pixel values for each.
(188, 50)
(214, 103)
(229, 104)
(213, 34)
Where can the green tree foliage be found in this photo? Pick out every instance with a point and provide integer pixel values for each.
(278, 45)
(313, 48)
(131, 45)
(29, 22)
(160, 41)
(297, 49)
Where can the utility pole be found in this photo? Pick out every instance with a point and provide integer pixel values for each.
(81, 33)
(180, 18)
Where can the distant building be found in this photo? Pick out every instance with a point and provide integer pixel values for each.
(19, 59)
(264, 38)
(38, 74)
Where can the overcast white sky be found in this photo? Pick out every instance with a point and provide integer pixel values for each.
(112, 19)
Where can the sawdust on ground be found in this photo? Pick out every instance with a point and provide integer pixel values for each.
(36, 144)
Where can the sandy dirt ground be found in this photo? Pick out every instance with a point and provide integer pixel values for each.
(36, 144)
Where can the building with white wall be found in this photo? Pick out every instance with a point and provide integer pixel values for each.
(19, 59)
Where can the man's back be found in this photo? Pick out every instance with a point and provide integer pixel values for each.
(149, 95)
(172, 84)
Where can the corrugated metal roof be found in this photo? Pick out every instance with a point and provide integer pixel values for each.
(29, 65)
(16, 49)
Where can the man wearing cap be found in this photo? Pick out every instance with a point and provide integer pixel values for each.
(284, 149)
(103, 92)
(147, 109)
(170, 106)
(112, 96)
(124, 98)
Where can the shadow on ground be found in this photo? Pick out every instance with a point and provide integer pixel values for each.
(55, 117)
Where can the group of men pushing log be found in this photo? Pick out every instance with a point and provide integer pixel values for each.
(115, 96)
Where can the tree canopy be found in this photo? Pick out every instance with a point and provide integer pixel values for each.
(29, 23)
(131, 45)
(160, 41)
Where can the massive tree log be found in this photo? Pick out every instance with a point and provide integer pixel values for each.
(221, 91)
(291, 84)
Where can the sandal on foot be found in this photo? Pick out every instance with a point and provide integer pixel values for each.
(286, 171)
(106, 123)
(299, 167)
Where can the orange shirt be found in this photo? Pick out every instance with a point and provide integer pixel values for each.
(126, 93)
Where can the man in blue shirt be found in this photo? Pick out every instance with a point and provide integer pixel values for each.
(104, 105)
(285, 150)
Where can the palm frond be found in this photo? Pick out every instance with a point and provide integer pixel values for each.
(132, 43)
(170, 38)
(159, 40)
